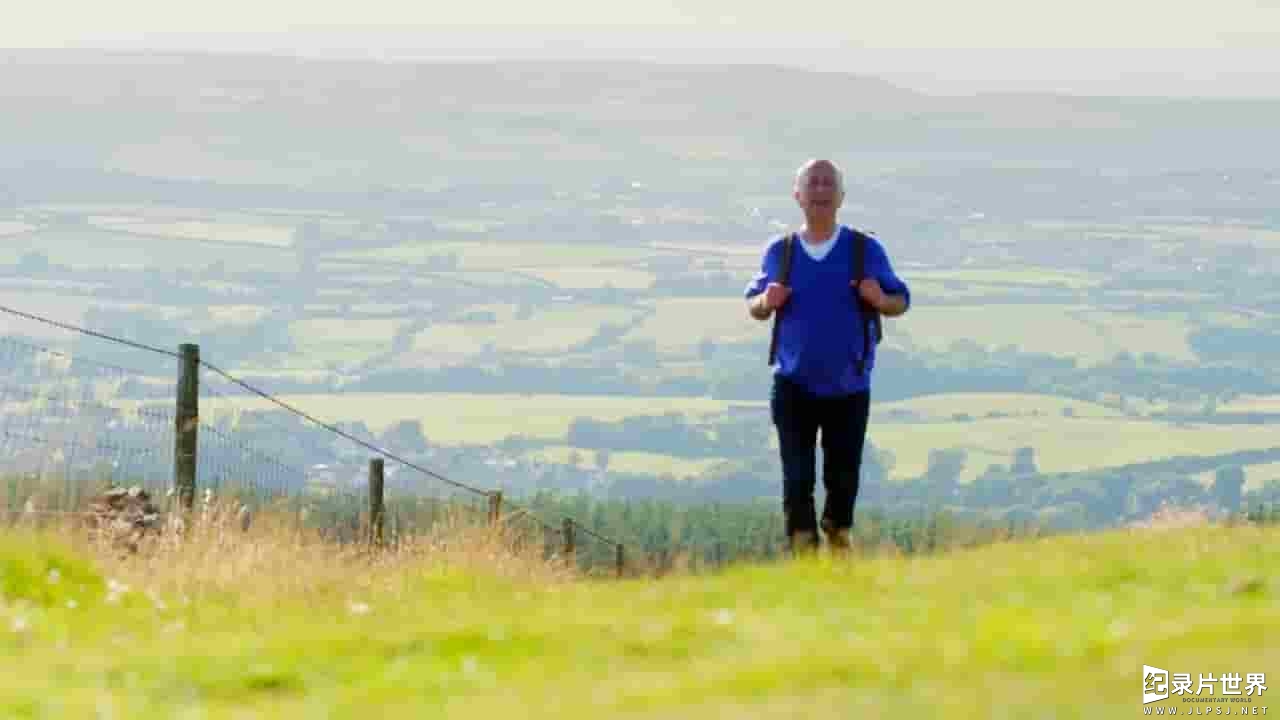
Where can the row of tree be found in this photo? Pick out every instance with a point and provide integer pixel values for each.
(666, 535)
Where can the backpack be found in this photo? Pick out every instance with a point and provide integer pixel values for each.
(869, 316)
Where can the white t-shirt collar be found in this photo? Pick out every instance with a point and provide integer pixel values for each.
(819, 251)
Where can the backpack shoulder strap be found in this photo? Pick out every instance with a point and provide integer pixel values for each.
(859, 254)
(784, 275)
(871, 319)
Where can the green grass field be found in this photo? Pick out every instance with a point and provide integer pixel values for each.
(944, 406)
(325, 341)
(1057, 628)
(1228, 233)
(1096, 438)
(1255, 476)
(369, 330)
(1252, 404)
(679, 324)
(1065, 330)
(9, 227)
(996, 276)
(236, 314)
(218, 231)
(548, 330)
(644, 463)
(52, 304)
(508, 255)
(1032, 328)
(455, 418)
(966, 293)
(1164, 228)
(1062, 445)
(575, 277)
(99, 249)
(130, 212)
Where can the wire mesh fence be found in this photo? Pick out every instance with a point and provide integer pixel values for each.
(70, 425)
(165, 421)
(262, 456)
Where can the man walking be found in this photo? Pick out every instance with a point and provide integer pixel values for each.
(827, 324)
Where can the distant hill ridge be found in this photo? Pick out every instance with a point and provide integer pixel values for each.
(598, 114)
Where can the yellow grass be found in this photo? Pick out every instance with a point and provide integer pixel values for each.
(277, 556)
(269, 625)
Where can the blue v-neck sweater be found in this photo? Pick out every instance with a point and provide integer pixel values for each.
(820, 338)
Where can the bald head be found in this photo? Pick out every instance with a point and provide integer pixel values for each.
(825, 167)
(819, 191)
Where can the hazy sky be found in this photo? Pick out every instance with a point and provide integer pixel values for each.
(1191, 46)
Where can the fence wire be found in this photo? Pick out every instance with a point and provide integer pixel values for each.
(73, 425)
(252, 455)
(70, 426)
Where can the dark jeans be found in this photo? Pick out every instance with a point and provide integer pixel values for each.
(798, 416)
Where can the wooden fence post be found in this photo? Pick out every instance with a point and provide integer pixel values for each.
(377, 509)
(495, 507)
(186, 425)
(568, 539)
(620, 560)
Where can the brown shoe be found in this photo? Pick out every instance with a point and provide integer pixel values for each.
(803, 542)
(838, 540)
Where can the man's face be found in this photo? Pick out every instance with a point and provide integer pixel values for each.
(818, 191)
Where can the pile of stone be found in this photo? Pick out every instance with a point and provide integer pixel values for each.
(123, 517)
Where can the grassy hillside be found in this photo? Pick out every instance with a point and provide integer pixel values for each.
(270, 626)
